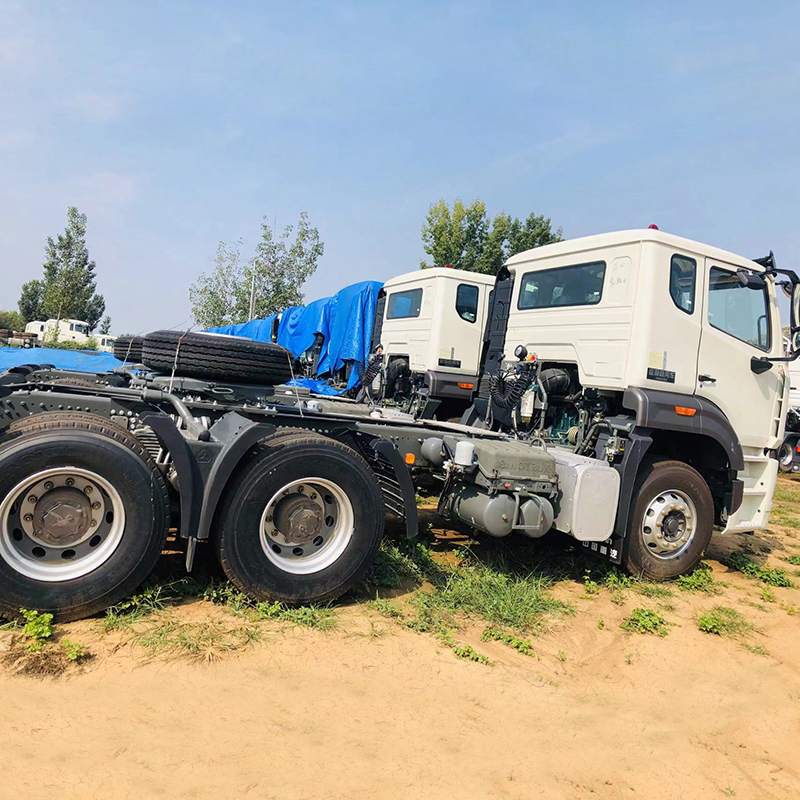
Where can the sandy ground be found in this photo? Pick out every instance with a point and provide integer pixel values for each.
(374, 710)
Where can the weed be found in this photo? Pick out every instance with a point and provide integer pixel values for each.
(591, 587)
(700, 579)
(723, 621)
(523, 646)
(466, 651)
(561, 656)
(629, 658)
(793, 559)
(201, 641)
(645, 620)
(601, 623)
(136, 607)
(772, 575)
(652, 590)
(38, 627)
(757, 649)
(786, 494)
(386, 608)
(767, 595)
(75, 651)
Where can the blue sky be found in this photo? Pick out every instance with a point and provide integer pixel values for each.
(176, 125)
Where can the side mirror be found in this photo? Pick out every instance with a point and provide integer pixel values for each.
(751, 280)
(795, 310)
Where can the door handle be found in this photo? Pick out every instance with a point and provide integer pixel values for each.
(706, 379)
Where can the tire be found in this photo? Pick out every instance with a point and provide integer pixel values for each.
(679, 492)
(786, 454)
(129, 349)
(250, 525)
(396, 369)
(226, 358)
(115, 473)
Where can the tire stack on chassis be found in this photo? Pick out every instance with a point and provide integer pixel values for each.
(85, 510)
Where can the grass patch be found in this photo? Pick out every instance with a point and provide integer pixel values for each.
(786, 494)
(386, 608)
(523, 646)
(756, 649)
(136, 607)
(723, 621)
(767, 595)
(774, 576)
(793, 559)
(201, 641)
(645, 620)
(700, 579)
(783, 519)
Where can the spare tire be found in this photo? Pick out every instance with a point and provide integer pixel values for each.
(208, 355)
(129, 348)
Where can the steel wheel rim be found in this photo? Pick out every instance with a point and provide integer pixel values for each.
(39, 539)
(306, 526)
(786, 454)
(669, 524)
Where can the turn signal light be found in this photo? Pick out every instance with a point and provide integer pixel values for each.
(685, 412)
(410, 458)
(466, 385)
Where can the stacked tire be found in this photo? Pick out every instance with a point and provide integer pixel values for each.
(215, 357)
(129, 349)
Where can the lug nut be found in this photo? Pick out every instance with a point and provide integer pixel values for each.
(48, 486)
(88, 490)
(92, 522)
(33, 498)
(28, 518)
(70, 481)
(96, 506)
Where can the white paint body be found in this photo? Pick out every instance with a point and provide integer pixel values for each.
(636, 326)
(62, 330)
(438, 333)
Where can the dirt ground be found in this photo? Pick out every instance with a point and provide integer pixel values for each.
(375, 709)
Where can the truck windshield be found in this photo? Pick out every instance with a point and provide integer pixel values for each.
(578, 285)
(738, 311)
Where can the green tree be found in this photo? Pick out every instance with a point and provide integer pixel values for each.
(105, 326)
(273, 277)
(11, 320)
(464, 238)
(68, 289)
(30, 300)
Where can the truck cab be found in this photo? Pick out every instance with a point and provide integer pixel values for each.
(429, 327)
(650, 347)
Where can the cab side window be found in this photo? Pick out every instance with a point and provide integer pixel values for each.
(467, 302)
(738, 311)
(402, 305)
(682, 280)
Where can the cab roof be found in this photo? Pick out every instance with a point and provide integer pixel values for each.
(420, 275)
(615, 238)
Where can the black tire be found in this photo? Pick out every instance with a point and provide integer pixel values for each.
(655, 480)
(395, 371)
(786, 454)
(201, 355)
(129, 349)
(91, 443)
(289, 456)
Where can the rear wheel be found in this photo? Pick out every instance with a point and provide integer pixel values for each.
(75, 533)
(671, 522)
(786, 455)
(301, 521)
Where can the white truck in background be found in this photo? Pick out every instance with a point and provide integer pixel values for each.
(428, 330)
(69, 330)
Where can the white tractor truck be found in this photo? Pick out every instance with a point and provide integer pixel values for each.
(632, 395)
(427, 335)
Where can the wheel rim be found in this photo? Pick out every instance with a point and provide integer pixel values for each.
(306, 526)
(669, 524)
(60, 524)
(786, 454)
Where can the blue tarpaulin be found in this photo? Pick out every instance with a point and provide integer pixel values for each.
(61, 359)
(345, 320)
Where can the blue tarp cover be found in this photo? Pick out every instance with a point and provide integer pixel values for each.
(345, 320)
(61, 359)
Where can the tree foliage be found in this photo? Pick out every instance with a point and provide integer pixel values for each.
(464, 238)
(68, 288)
(105, 326)
(277, 272)
(12, 320)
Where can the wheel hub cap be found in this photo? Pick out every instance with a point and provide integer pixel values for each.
(62, 517)
(299, 519)
(669, 524)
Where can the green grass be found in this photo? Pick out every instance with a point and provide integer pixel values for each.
(645, 620)
(723, 621)
(136, 607)
(701, 579)
(202, 641)
(767, 595)
(786, 494)
(793, 559)
(386, 608)
(756, 649)
(75, 651)
(774, 576)
(523, 646)
(782, 518)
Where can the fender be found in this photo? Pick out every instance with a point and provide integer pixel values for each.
(388, 450)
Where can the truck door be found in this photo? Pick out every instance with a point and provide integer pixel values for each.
(740, 323)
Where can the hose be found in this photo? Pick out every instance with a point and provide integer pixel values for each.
(508, 393)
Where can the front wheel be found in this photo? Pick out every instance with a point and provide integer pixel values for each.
(786, 455)
(671, 522)
(301, 520)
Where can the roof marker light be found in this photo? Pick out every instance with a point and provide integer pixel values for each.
(653, 227)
